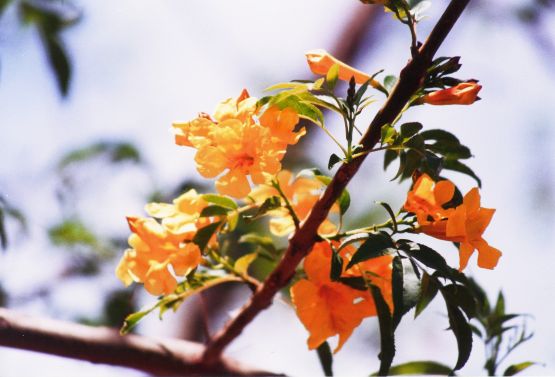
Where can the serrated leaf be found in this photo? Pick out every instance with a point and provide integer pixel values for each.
(326, 358)
(376, 245)
(214, 210)
(242, 264)
(413, 161)
(428, 291)
(430, 258)
(387, 338)
(517, 368)
(334, 159)
(204, 234)
(419, 368)
(220, 200)
(405, 288)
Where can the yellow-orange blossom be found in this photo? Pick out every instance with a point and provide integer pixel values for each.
(235, 141)
(464, 224)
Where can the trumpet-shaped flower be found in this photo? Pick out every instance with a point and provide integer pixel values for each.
(234, 146)
(464, 93)
(320, 61)
(464, 224)
(153, 250)
(327, 308)
(154, 246)
(302, 193)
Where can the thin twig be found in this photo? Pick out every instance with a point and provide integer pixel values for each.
(304, 239)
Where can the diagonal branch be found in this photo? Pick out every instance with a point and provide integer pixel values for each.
(103, 345)
(304, 238)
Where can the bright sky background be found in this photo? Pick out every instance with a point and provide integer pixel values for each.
(139, 65)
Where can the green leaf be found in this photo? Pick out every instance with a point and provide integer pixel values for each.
(222, 201)
(462, 297)
(334, 159)
(344, 202)
(263, 241)
(458, 166)
(517, 368)
(326, 358)
(376, 245)
(336, 265)
(410, 129)
(389, 82)
(427, 256)
(405, 288)
(3, 5)
(3, 235)
(388, 134)
(58, 59)
(389, 157)
(499, 305)
(440, 135)
(242, 264)
(203, 235)
(413, 160)
(332, 76)
(115, 151)
(387, 338)
(419, 368)
(390, 213)
(428, 291)
(214, 210)
(461, 329)
(71, 232)
(232, 221)
(269, 204)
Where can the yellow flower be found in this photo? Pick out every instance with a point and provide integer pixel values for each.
(236, 145)
(464, 224)
(464, 93)
(320, 61)
(327, 308)
(302, 193)
(153, 250)
(157, 246)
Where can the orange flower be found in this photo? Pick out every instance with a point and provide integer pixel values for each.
(320, 61)
(235, 143)
(328, 308)
(464, 93)
(302, 193)
(282, 124)
(153, 250)
(155, 246)
(464, 224)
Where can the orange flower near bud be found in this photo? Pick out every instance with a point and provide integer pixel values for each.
(302, 193)
(157, 246)
(465, 93)
(327, 308)
(153, 250)
(234, 146)
(320, 61)
(464, 224)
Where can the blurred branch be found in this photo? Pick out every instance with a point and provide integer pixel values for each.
(303, 239)
(103, 345)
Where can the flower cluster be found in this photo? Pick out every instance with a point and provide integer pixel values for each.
(328, 308)
(241, 141)
(464, 224)
(301, 193)
(157, 246)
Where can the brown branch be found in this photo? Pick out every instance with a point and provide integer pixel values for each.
(302, 241)
(168, 357)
